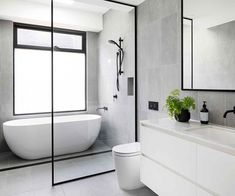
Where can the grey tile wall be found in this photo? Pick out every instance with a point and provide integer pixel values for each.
(159, 63)
(6, 77)
(92, 69)
(118, 124)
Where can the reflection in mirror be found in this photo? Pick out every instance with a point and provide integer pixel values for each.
(208, 45)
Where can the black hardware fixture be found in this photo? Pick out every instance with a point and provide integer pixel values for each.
(115, 96)
(229, 111)
(119, 59)
(135, 88)
(152, 105)
(182, 57)
(103, 108)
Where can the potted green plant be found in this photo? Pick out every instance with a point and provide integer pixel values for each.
(179, 108)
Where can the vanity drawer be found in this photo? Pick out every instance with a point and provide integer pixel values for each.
(216, 171)
(173, 152)
(164, 182)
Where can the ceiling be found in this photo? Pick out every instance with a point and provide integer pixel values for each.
(210, 13)
(132, 2)
(77, 4)
(96, 6)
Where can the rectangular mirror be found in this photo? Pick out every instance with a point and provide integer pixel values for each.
(208, 36)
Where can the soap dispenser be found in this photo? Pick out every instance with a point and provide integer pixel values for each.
(204, 114)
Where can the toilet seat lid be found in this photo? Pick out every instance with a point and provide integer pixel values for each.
(131, 148)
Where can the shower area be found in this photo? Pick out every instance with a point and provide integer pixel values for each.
(67, 85)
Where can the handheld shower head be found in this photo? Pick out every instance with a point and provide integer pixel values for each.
(119, 58)
(112, 42)
(115, 43)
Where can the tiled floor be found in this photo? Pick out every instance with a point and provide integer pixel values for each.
(8, 159)
(36, 181)
(83, 166)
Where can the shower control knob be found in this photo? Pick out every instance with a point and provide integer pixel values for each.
(115, 96)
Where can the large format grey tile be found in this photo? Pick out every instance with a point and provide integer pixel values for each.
(36, 181)
(54, 191)
(84, 166)
(104, 185)
(169, 40)
(17, 181)
(215, 104)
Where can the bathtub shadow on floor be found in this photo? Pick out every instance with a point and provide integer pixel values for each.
(10, 161)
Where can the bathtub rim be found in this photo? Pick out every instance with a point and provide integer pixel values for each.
(47, 120)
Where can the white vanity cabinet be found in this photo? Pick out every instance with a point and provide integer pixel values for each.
(175, 162)
(163, 181)
(170, 151)
(216, 171)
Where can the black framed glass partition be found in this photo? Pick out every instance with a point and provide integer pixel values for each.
(93, 66)
(68, 85)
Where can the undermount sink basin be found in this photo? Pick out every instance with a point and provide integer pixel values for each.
(216, 134)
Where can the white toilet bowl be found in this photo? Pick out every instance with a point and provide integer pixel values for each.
(127, 164)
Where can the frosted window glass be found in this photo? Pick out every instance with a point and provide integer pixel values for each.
(69, 81)
(68, 41)
(33, 81)
(33, 38)
(43, 39)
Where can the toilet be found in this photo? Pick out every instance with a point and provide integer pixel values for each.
(127, 164)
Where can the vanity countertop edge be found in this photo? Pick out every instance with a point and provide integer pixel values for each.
(182, 130)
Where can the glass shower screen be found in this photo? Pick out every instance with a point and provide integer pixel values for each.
(88, 119)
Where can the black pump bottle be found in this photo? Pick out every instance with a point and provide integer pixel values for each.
(204, 114)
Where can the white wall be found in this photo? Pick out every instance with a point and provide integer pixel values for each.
(209, 13)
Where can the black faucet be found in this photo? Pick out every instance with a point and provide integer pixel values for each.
(229, 111)
(103, 108)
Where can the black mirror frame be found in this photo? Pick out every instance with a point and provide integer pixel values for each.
(182, 58)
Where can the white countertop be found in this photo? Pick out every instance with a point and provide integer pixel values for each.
(214, 136)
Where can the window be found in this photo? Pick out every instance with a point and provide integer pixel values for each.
(32, 70)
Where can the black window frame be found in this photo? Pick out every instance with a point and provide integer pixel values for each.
(48, 29)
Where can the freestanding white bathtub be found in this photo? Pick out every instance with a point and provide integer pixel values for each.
(31, 138)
